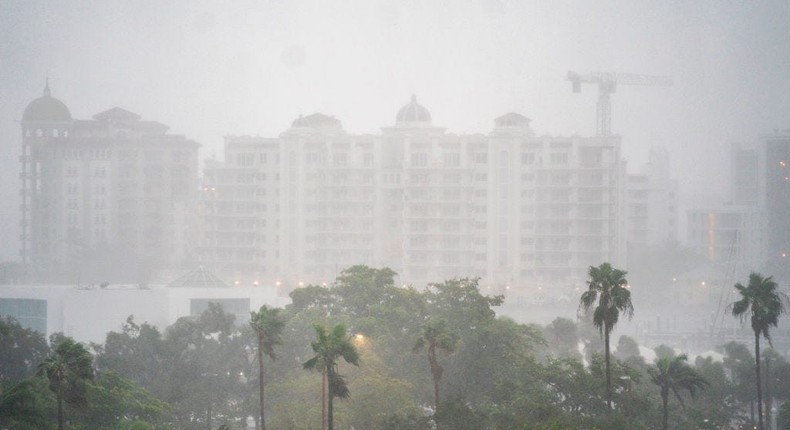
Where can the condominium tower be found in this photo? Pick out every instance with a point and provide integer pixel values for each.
(517, 210)
(103, 200)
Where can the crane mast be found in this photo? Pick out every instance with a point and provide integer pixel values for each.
(607, 85)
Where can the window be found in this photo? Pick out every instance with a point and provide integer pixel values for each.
(528, 158)
(245, 160)
(480, 158)
(419, 159)
(559, 158)
(340, 159)
(452, 160)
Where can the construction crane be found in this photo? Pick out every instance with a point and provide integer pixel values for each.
(607, 85)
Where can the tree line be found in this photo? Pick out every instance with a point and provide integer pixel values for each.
(395, 358)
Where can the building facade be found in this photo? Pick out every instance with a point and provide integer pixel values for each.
(652, 203)
(103, 200)
(518, 210)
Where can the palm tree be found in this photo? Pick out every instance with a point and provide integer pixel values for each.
(609, 288)
(760, 300)
(674, 374)
(268, 328)
(67, 368)
(436, 334)
(328, 348)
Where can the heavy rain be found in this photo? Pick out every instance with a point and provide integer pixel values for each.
(482, 215)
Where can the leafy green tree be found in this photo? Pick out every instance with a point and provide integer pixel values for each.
(118, 402)
(783, 419)
(562, 337)
(763, 304)
(716, 403)
(436, 335)
(329, 347)
(673, 374)
(361, 288)
(25, 405)
(608, 287)
(627, 348)
(21, 350)
(136, 352)
(203, 363)
(268, 327)
(67, 369)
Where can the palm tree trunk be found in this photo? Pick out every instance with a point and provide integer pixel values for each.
(436, 373)
(608, 371)
(665, 403)
(759, 388)
(324, 387)
(61, 418)
(330, 410)
(260, 379)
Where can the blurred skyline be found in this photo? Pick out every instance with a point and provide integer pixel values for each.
(208, 69)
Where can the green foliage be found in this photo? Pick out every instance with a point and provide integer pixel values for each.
(134, 352)
(268, 327)
(783, 419)
(329, 347)
(609, 289)
(68, 369)
(761, 303)
(411, 421)
(201, 371)
(26, 405)
(673, 375)
(21, 350)
(562, 337)
(456, 414)
(116, 402)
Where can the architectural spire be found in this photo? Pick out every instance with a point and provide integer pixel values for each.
(47, 93)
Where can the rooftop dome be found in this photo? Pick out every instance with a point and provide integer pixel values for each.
(46, 109)
(412, 113)
(512, 119)
(317, 121)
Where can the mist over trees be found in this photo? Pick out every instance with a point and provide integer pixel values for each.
(203, 372)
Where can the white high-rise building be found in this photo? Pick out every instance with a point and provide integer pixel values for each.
(107, 199)
(519, 211)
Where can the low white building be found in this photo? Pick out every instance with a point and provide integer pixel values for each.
(88, 313)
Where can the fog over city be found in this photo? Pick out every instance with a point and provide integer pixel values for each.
(208, 69)
(353, 164)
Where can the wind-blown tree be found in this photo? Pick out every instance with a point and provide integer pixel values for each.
(329, 347)
(21, 350)
(67, 369)
(268, 328)
(436, 335)
(608, 287)
(673, 374)
(760, 301)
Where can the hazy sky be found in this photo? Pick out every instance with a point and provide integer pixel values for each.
(209, 69)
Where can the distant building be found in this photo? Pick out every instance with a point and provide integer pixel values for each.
(102, 199)
(88, 313)
(513, 208)
(652, 202)
(752, 232)
(777, 204)
(730, 236)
